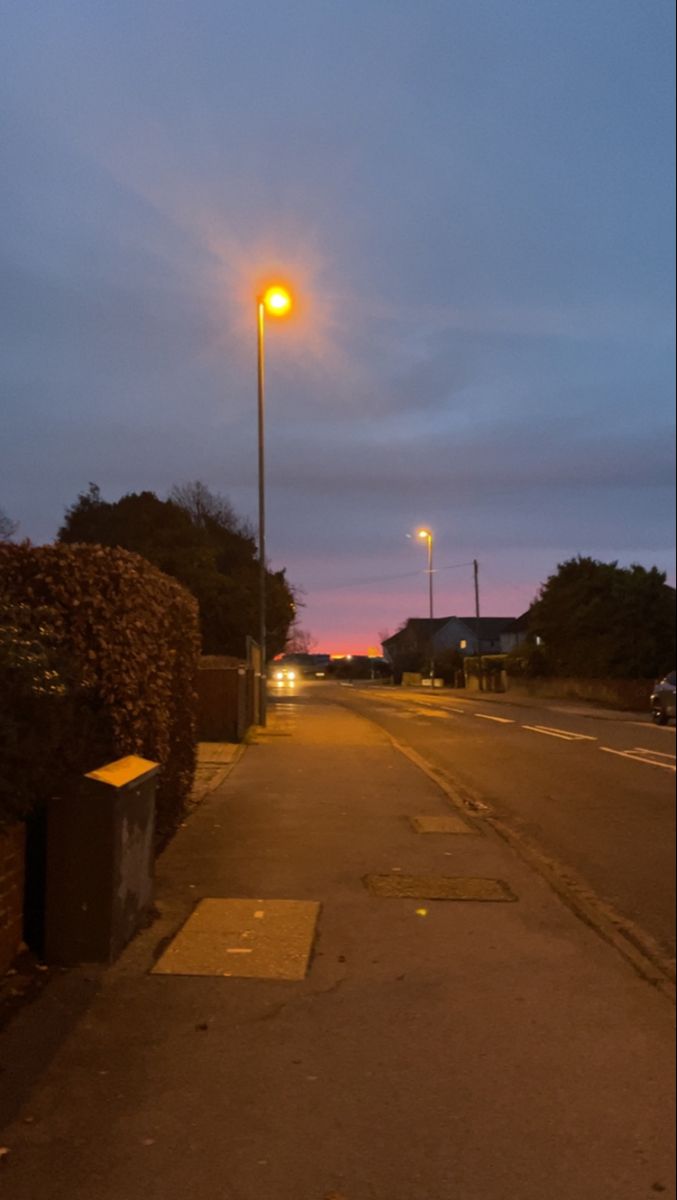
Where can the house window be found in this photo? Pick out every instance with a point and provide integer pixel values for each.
(463, 645)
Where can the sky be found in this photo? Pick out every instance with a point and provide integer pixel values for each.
(473, 203)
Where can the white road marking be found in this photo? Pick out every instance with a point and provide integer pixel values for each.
(567, 735)
(487, 717)
(655, 753)
(650, 762)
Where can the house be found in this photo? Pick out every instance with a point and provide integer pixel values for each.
(419, 637)
(406, 649)
(496, 635)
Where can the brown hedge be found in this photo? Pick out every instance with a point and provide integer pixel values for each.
(132, 635)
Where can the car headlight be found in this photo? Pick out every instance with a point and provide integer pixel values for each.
(279, 675)
(291, 675)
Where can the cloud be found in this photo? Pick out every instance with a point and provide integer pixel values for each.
(475, 211)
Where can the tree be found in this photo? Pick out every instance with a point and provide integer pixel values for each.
(196, 537)
(210, 511)
(598, 619)
(300, 641)
(7, 527)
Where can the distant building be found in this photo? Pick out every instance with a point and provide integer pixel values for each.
(484, 635)
(406, 649)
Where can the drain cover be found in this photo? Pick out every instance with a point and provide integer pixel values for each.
(440, 825)
(437, 887)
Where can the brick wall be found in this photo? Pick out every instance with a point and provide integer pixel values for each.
(12, 856)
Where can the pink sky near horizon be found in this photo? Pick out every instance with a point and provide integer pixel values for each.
(348, 617)
(343, 622)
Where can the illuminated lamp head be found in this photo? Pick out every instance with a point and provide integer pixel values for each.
(277, 301)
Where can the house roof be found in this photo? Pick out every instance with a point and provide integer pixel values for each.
(420, 626)
(522, 622)
(490, 628)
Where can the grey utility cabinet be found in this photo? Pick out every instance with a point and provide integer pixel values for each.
(100, 862)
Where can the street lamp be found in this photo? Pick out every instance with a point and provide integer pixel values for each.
(276, 302)
(425, 535)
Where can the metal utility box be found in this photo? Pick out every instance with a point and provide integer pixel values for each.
(100, 858)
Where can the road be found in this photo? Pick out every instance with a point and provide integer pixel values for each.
(593, 794)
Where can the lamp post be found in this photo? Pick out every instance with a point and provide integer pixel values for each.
(276, 301)
(425, 535)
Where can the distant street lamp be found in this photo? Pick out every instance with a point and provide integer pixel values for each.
(276, 301)
(425, 535)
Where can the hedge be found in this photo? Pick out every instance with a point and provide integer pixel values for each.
(130, 638)
(527, 661)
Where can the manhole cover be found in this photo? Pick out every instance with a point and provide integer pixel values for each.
(437, 887)
(440, 825)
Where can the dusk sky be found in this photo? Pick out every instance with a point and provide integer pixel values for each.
(473, 200)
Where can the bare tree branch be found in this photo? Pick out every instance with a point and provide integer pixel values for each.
(7, 527)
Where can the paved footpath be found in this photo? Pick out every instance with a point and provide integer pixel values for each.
(435, 1049)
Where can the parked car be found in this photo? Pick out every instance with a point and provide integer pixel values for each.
(663, 699)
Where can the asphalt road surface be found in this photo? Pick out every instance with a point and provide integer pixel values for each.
(595, 794)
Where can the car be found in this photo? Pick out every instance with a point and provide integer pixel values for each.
(663, 699)
(284, 676)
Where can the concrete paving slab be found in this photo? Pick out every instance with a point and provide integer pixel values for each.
(210, 753)
(214, 762)
(252, 939)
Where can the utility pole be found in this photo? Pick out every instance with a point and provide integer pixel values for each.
(430, 599)
(427, 536)
(476, 576)
(263, 699)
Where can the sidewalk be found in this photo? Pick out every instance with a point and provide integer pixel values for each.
(215, 760)
(435, 1050)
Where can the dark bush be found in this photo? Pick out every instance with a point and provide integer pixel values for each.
(110, 671)
(449, 666)
(527, 661)
(601, 621)
(46, 724)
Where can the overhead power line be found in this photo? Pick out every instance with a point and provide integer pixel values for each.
(356, 583)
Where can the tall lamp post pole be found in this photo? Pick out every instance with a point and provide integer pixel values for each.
(426, 535)
(276, 301)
